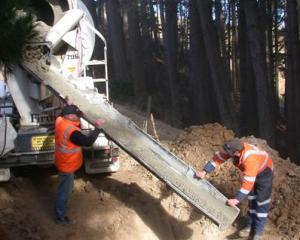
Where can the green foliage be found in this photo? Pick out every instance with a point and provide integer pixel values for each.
(17, 28)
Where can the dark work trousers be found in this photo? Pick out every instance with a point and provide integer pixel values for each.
(65, 187)
(259, 201)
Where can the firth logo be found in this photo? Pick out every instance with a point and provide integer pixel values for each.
(42, 118)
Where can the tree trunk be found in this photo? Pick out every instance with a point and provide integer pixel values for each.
(272, 56)
(276, 56)
(117, 43)
(220, 20)
(258, 61)
(219, 75)
(267, 30)
(199, 81)
(248, 99)
(162, 15)
(234, 70)
(153, 22)
(150, 79)
(293, 83)
(135, 53)
(170, 44)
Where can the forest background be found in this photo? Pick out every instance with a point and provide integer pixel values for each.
(236, 62)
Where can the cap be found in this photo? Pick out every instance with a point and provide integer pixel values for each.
(233, 145)
(71, 109)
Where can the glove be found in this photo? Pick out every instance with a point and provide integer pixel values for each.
(200, 174)
(232, 202)
(99, 122)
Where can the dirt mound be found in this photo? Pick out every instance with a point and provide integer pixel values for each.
(197, 145)
(133, 204)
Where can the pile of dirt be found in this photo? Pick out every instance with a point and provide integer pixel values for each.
(198, 144)
(17, 220)
(134, 204)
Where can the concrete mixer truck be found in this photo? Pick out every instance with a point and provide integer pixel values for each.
(28, 107)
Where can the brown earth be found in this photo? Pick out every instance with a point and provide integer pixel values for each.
(133, 204)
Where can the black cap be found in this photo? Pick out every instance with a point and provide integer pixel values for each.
(233, 145)
(71, 109)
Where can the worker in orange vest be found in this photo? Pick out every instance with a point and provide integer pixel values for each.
(68, 155)
(257, 167)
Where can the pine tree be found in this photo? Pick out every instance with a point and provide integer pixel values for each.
(17, 28)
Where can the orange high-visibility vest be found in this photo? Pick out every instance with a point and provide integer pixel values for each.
(68, 156)
(252, 162)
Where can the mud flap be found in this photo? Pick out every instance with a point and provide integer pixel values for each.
(143, 148)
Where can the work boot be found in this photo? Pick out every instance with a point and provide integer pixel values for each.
(245, 232)
(256, 236)
(64, 221)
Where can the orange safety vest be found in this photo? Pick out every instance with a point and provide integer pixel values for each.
(252, 162)
(68, 156)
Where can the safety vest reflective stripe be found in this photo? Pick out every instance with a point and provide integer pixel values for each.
(65, 136)
(256, 151)
(213, 163)
(64, 148)
(244, 191)
(264, 164)
(249, 179)
(251, 197)
(260, 215)
(249, 152)
(220, 157)
(264, 202)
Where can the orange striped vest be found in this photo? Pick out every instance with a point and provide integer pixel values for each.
(68, 156)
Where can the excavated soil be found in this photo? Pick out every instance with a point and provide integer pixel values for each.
(133, 204)
(196, 146)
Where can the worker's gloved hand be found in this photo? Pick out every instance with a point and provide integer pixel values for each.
(68, 101)
(232, 202)
(200, 174)
(99, 122)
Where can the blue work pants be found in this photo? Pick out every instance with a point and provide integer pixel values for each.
(259, 201)
(65, 187)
